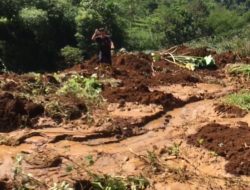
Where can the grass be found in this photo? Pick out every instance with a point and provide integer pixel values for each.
(239, 69)
(174, 150)
(240, 99)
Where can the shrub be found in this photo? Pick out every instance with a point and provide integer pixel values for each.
(71, 55)
(81, 87)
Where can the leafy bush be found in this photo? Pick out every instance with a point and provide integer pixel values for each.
(81, 87)
(33, 17)
(222, 20)
(71, 55)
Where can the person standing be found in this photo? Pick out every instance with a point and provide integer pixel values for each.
(105, 45)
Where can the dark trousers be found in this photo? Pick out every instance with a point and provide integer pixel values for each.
(105, 57)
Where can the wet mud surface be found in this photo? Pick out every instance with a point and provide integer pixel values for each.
(159, 120)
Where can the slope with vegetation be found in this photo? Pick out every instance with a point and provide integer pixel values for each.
(38, 35)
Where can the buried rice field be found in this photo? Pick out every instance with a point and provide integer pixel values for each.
(138, 124)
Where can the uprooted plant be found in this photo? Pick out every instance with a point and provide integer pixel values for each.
(189, 62)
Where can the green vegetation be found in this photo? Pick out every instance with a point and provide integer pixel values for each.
(71, 55)
(240, 69)
(236, 40)
(35, 34)
(107, 182)
(89, 160)
(79, 86)
(240, 99)
(153, 160)
(62, 186)
(174, 149)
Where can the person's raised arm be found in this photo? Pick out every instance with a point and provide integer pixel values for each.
(94, 35)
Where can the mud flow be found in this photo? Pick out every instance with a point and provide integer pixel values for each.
(153, 126)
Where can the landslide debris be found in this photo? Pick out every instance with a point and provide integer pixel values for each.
(232, 143)
(16, 112)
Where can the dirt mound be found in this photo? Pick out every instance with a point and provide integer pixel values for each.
(67, 107)
(15, 112)
(141, 94)
(139, 62)
(230, 111)
(200, 52)
(172, 74)
(225, 58)
(230, 143)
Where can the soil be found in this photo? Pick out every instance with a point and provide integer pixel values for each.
(199, 52)
(230, 143)
(15, 112)
(225, 58)
(146, 122)
(230, 111)
(141, 94)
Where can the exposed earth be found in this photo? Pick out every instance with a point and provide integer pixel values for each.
(165, 123)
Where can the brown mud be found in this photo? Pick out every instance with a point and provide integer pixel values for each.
(230, 111)
(157, 120)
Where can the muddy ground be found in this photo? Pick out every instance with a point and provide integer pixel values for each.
(167, 124)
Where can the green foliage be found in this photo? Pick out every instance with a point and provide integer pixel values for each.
(3, 20)
(61, 186)
(222, 20)
(89, 88)
(89, 159)
(33, 32)
(33, 17)
(71, 55)
(174, 149)
(107, 182)
(95, 14)
(237, 40)
(240, 69)
(240, 99)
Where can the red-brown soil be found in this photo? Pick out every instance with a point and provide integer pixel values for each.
(230, 143)
(230, 111)
(15, 112)
(141, 94)
(147, 106)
